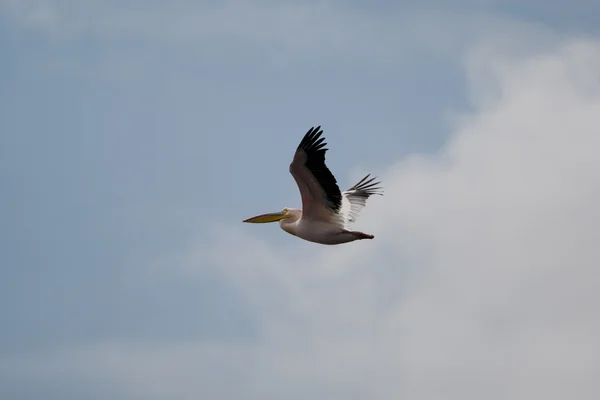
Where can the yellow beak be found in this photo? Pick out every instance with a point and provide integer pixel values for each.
(263, 219)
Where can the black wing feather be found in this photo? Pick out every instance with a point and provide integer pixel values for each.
(314, 147)
(366, 188)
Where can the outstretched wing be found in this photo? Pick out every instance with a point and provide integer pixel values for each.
(355, 198)
(321, 196)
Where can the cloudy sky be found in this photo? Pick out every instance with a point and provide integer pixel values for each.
(136, 135)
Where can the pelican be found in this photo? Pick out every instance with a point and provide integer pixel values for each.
(326, 212)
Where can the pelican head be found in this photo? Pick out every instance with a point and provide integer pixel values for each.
(272, 217)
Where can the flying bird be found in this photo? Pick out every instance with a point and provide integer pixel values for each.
(326, 212)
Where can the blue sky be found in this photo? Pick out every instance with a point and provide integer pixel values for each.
(134, 138)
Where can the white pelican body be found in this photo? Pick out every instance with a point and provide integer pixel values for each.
(326, 212)
(318, 231)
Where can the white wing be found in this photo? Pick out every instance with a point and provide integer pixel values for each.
(355, 198)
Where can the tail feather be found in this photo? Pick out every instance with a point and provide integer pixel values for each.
(361, 235)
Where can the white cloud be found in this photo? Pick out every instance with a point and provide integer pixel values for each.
(284, 27)
(141, 39)
(482, 281)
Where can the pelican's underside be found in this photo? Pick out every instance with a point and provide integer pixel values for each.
(323, 233)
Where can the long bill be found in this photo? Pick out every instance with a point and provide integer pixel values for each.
(265, 218)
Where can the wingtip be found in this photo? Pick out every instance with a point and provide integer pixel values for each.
(313, 140)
